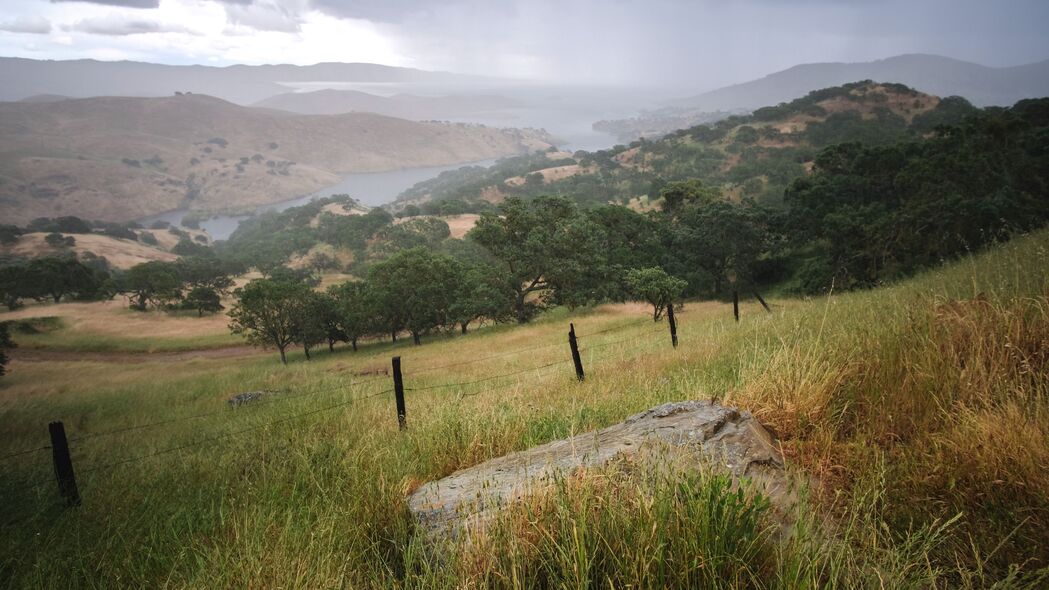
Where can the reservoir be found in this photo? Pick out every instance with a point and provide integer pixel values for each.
(372, 188)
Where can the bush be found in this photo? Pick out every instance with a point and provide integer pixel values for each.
(57, 240)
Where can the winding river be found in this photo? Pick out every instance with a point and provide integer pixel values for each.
(373, 188)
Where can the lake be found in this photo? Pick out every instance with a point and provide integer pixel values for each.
(373, 189)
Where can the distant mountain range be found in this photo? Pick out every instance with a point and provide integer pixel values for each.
(22, 78)
(933, 74)
(122, 158)
(405, 106)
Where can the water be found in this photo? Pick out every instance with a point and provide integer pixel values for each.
(372, 189)
(566, 112)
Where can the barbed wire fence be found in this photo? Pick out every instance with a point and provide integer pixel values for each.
(351, 392)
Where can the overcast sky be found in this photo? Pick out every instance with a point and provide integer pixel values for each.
(695, 43)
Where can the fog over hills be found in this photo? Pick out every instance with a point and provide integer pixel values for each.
(406, 106)
(933, 74)
(21, 78)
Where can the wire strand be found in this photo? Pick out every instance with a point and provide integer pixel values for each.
(223, 435)
(477, 360)
(493, 378)
(24, 452)
(294, 396)
(612, 329)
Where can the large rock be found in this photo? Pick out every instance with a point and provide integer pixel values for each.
(722, 439)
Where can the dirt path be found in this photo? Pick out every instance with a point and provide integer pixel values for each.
(36, 355)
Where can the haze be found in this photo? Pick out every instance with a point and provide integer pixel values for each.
(689, 45)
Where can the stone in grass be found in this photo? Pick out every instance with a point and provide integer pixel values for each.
(722, 439)
(250, 396)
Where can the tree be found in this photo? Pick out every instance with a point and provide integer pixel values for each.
(267, 313)
(312, 317)
(724, 239)
(356, 311)
(683, 192)
(420, 231)
(415, 289)
(68, 225)
(204, 300)
(9, 234)
(13, 284)
(483, 293)
(152, 283)
(187, 247)
(58, 276)
(410, 210)
(5, 344)
(57, 240)
(544, 244)
(205, 272)
(655, 286)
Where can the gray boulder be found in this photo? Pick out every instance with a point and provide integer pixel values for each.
(250, 396)
(722, 439)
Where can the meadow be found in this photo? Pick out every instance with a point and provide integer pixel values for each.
(920, 411)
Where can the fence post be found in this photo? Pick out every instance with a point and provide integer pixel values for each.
(762, 301)
(63, 464)
(575, 352)
(398, 392)
(735, 303)
(673, 324)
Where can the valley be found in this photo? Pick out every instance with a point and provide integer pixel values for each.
(524, 296)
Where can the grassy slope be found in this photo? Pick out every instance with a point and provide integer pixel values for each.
(912, 404)
(121, 158)
(109, 326)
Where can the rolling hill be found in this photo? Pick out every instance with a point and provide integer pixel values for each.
(933, 74)
(747, 156)
(118, 158)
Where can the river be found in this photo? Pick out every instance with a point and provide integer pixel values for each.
(373, 189)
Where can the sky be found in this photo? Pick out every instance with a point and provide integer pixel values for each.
(704, 43)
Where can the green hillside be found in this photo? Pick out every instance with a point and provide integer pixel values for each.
(754, 156)
(921, 413)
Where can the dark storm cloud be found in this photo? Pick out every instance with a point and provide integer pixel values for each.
(700, 41)
(117, 26)
(696, 43)
(122, 3)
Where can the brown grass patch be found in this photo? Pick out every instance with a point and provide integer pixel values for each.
(120, 253)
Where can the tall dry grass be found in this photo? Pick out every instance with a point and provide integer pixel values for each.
(920, 409)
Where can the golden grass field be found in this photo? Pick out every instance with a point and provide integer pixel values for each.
(920, 411)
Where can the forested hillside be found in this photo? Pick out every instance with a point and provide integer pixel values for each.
(754, 156)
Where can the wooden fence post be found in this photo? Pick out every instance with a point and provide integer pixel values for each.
(735, 303)
(63, 464)
(398, 392)
(575, 352)
(673, 324)
(762, 301)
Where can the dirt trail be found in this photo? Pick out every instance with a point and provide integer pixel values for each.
(32, 355)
